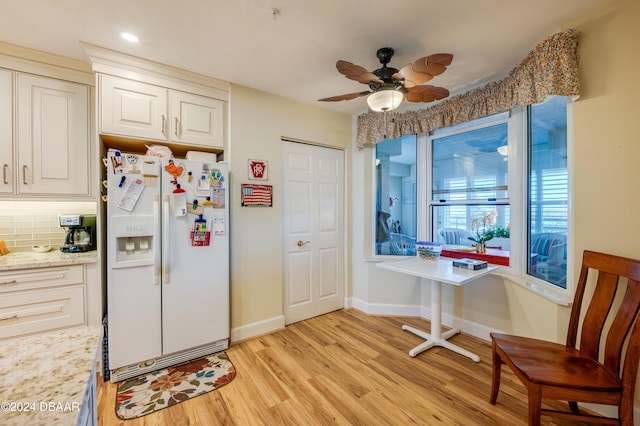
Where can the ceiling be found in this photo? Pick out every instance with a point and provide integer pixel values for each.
(292, 52)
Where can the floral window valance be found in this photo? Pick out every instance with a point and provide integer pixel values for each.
(550, 69)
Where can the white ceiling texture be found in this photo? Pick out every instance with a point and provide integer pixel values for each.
(290, 47)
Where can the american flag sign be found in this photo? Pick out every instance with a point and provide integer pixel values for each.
(257, 195)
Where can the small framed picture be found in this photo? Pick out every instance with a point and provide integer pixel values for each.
(258, 170)
(253, 195)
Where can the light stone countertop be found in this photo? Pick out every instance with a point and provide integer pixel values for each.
(46, 374)
(28, 260)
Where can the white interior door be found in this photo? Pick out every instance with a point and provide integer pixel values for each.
(313, 192)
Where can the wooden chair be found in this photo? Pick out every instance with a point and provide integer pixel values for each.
(591, 372)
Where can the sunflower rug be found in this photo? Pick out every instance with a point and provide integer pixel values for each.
(163, 388)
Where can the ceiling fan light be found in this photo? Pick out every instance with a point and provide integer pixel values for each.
(385, 100)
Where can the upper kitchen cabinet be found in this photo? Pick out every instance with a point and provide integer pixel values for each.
(138, 110)
(46, 147)
(197, 120)
(140, 101)
(6, 131)
(52, 136)
(133, 109)
(44, 135)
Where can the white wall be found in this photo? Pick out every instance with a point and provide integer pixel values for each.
(258, 123)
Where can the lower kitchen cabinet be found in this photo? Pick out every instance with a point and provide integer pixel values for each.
(37, 300)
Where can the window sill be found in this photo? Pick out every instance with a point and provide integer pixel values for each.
(493, 256)
(385, 258)
(538, 288)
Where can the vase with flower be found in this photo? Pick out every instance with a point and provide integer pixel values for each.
(484, 227)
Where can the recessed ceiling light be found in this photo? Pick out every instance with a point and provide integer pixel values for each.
(129, 37)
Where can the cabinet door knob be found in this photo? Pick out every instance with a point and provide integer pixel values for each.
(301, 243)
(5, 168)
(164, 124)
(24, 174)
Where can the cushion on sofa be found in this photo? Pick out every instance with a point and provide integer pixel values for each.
(542, 245)
(451, 237)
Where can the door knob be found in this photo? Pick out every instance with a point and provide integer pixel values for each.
(300, 243)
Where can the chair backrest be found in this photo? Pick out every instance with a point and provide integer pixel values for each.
(604, 308)
(402, 244)
(454, 236)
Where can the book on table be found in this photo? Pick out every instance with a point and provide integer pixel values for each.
(472, 264)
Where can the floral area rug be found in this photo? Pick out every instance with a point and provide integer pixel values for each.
(163, 388)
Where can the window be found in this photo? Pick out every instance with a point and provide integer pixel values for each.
(469, 180)
(396, 206)
(514, 164)
(548, 191)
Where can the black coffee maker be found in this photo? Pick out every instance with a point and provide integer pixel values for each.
(80, 233)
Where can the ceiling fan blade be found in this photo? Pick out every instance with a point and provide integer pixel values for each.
(411, 76)
(365, 78)
(356, 72)
(434, 64)
(423, 69)
(440, 58)
(426, 93)
(345, 97)
(420, 65)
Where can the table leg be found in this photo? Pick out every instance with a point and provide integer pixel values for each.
(437, 337)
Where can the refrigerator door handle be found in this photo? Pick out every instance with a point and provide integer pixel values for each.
(165, 239)
(156, 246)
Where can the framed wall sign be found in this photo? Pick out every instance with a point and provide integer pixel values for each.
(256, 195)
(258, 170)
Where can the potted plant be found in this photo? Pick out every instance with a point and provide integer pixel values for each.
(484, 226)
(501, 238)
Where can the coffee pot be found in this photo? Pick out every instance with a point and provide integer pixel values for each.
(80, 233)
(81, 237)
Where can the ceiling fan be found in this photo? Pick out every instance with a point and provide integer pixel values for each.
(389, 86)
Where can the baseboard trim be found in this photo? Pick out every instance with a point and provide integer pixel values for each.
(468, 327)
(386, 309)
(276, 323)
(256, 329)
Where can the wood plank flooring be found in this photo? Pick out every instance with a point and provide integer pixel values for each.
(347, 368)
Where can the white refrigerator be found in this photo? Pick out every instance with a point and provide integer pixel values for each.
(168, 261)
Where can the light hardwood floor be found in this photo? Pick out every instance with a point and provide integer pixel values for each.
(347, 367)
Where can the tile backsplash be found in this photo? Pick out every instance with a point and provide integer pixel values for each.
(24, 224)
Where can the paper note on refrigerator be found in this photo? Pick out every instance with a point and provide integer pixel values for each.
(131, 195)
(218, 197)
(218, 221)
(179, 204)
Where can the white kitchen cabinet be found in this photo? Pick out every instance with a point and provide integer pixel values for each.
(197, 120)
(41, 299)
(52, 136)
(6, 132)
(133, 109)
(138, 110)
(48, 153)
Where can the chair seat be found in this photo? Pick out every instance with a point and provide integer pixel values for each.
(552, 364)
